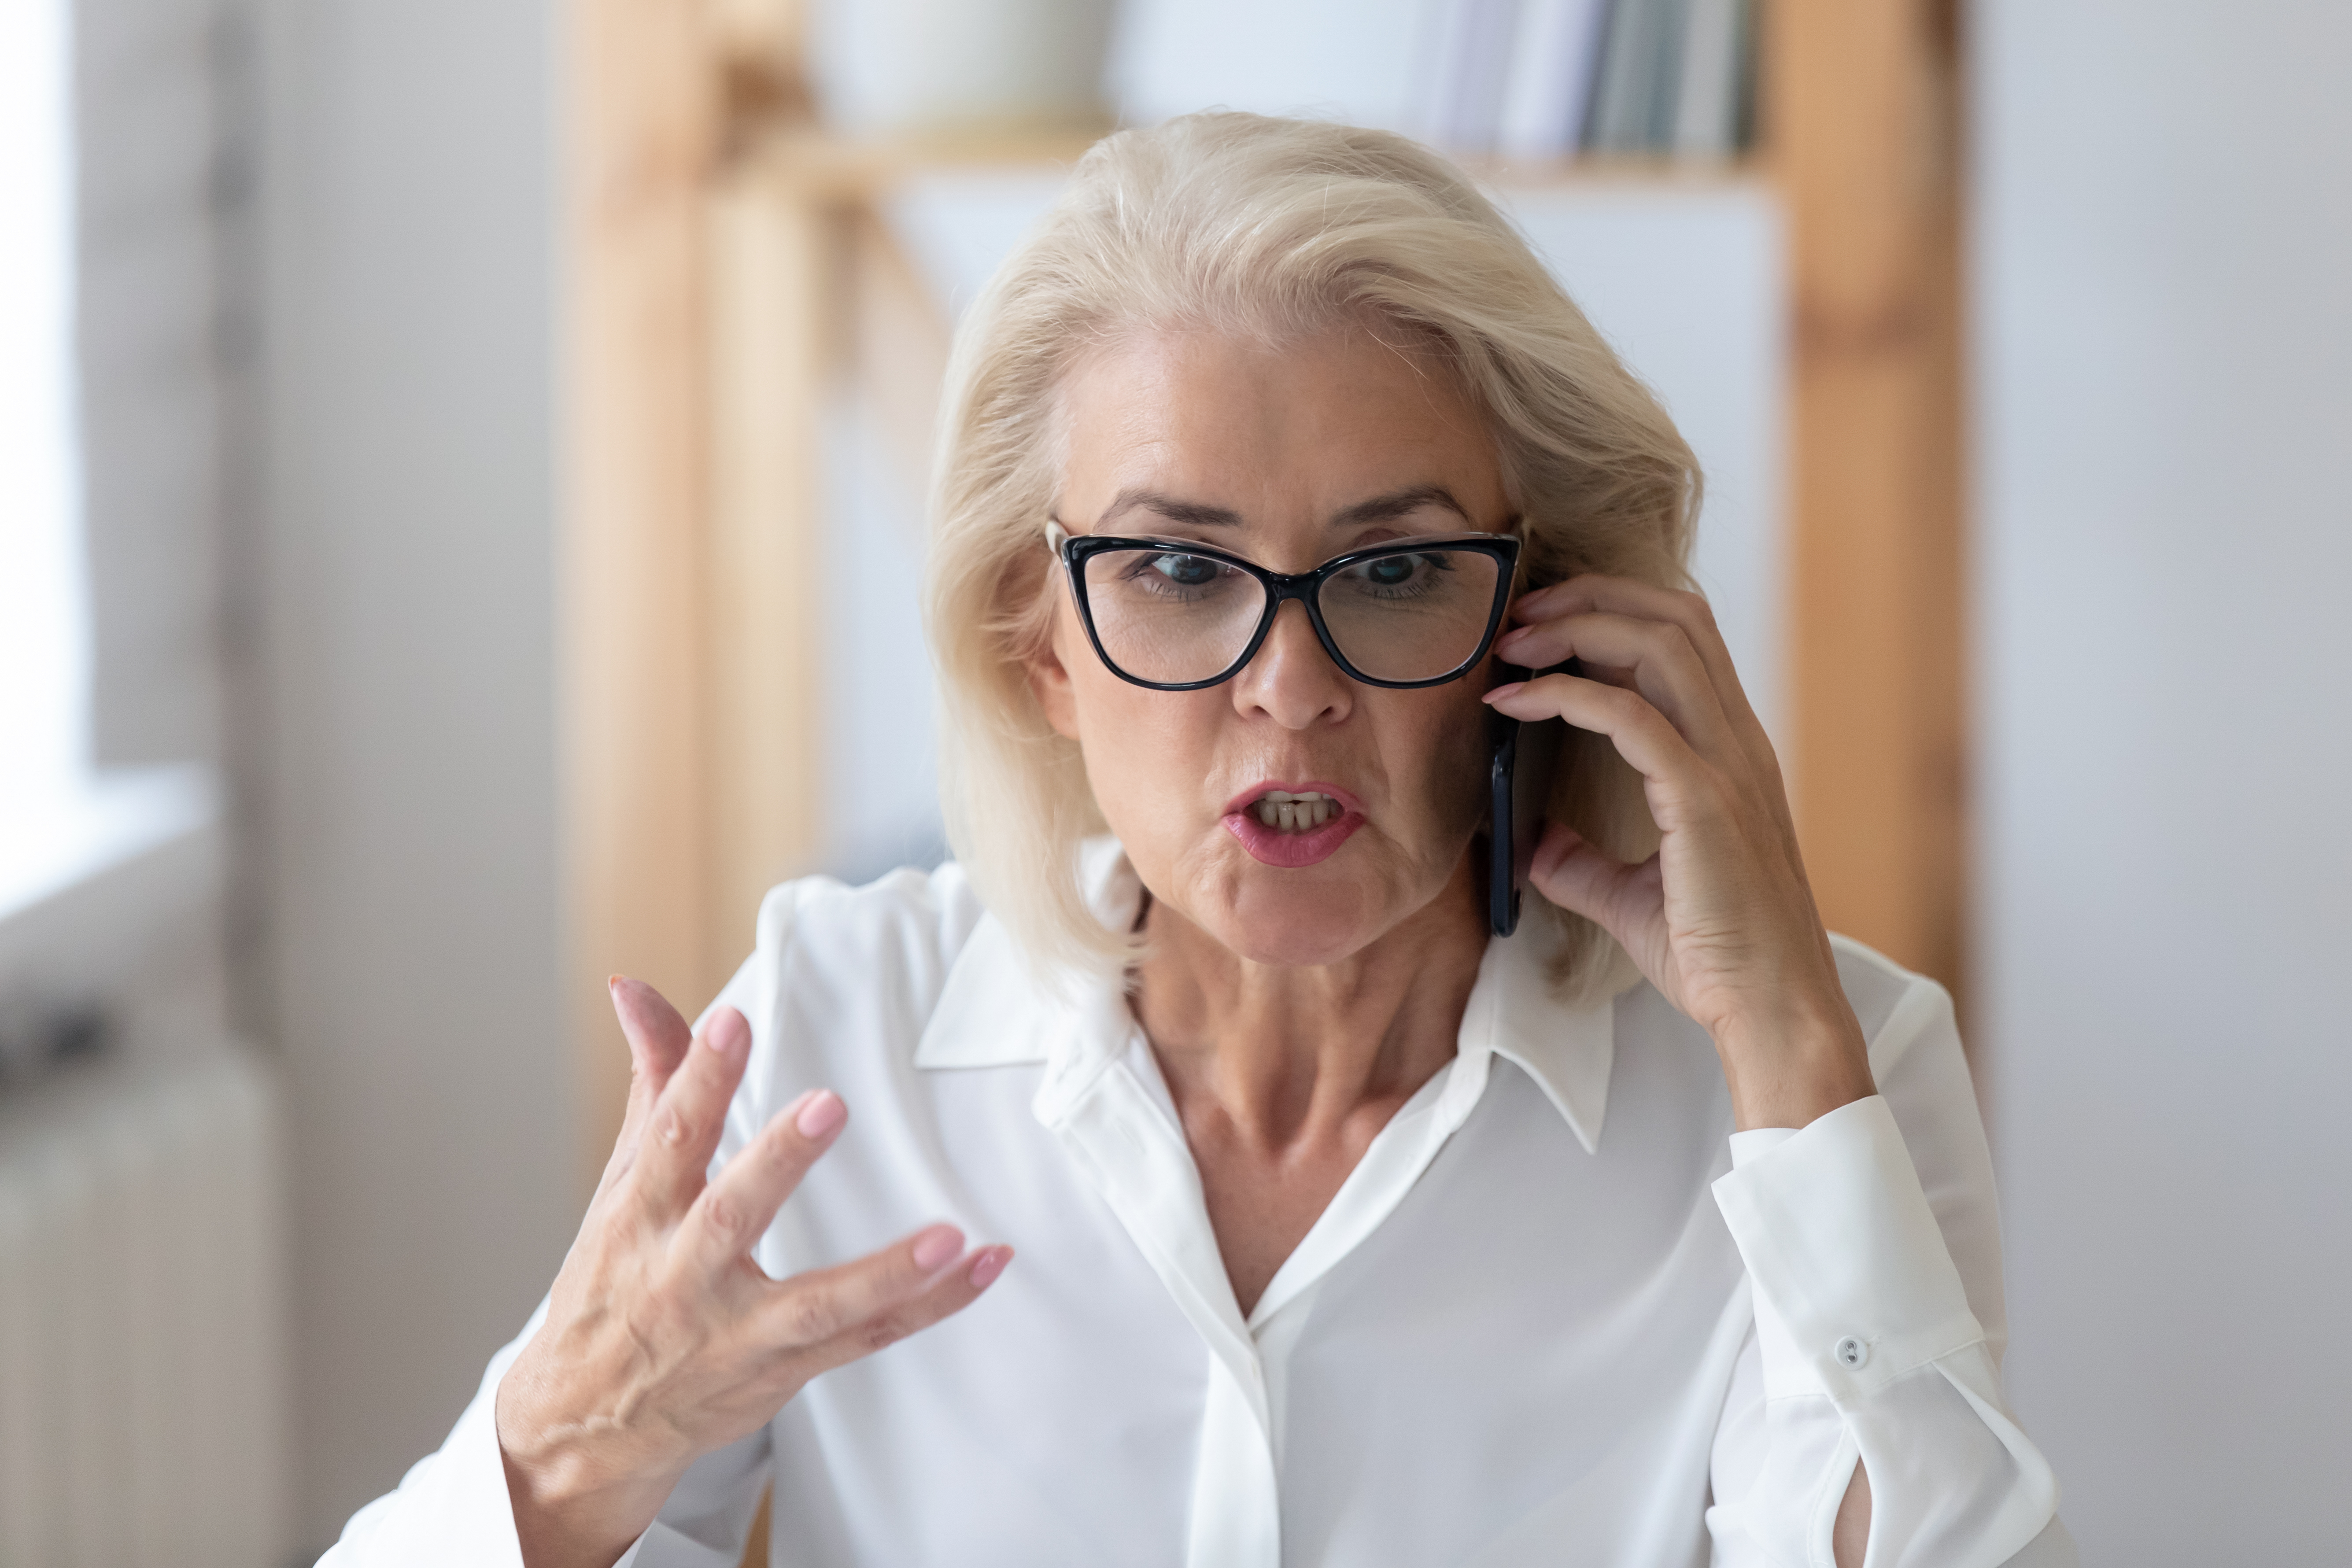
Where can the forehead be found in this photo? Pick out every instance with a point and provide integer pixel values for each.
(1269, 430)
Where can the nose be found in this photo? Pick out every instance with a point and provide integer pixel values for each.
(1291, 679)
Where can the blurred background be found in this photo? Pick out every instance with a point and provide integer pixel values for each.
(461, 476)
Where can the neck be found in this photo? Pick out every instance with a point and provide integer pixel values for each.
(1286, 1057)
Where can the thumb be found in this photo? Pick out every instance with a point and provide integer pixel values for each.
(658, 1037)
(1584, 878)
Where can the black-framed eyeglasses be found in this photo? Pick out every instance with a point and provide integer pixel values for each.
(1177, 617)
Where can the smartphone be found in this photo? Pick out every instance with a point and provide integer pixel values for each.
(1521, 757)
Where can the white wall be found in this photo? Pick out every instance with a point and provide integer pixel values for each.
(1688, 285)
(410, 775)
(2164, 265)
(1366, 61)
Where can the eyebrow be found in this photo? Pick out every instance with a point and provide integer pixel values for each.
(1380, 509)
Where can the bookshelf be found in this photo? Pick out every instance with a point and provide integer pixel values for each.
(730, 268)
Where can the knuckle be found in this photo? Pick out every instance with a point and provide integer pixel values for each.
(809, 1317)
(778, 1149)
(726, 1217)
(880, 1333)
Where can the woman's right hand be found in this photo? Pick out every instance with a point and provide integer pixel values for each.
(662, 1339)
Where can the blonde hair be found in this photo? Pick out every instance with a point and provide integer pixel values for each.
(1272, 229)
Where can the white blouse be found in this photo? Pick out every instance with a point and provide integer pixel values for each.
(1560, 1314)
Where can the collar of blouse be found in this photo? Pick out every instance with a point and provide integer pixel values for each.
(998, 1010)
(1101, 1096)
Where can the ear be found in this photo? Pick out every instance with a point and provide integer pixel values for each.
(1049, 682)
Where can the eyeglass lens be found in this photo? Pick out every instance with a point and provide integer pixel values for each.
(1167, 617)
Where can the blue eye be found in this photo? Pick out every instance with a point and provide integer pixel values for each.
(1186, 570)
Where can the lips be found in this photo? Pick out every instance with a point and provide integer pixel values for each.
(1319, 817)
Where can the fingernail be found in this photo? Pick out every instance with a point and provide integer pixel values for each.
(937, 1246)
(989, 1264)
(1501, 691)
(821, 1115)
(728, 1033)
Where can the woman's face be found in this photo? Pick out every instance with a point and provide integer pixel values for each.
(1286, 457)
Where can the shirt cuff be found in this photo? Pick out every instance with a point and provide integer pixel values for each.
(452, 1508)
(1758, 1141)
(470, 1509)
(1852, 1284)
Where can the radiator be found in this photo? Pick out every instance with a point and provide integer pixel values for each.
(143, 1344)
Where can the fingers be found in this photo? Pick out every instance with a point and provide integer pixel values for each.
(1580, 876)
(836, 1315)
(1593, 592)
(735, 1209)
(689, 1112)
(952, 1293)
(1665, 664)
(657, 1037)
(1642, 734)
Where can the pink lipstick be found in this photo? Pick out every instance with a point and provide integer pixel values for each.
(1272, 845)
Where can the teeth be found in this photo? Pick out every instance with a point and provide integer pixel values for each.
(1291, 813)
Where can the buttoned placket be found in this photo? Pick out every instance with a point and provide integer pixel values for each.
(1132, 1151)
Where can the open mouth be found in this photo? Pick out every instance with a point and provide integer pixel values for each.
(1293, 827)
(1302, 811)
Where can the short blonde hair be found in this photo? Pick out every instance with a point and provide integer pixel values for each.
(1272, 229)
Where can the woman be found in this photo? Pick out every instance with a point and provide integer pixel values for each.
(1661, 1231)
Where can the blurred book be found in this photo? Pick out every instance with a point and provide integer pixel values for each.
(1710, 97)
(1543, 79)
(1632, 99)
(1549, 84)
(1473, 65)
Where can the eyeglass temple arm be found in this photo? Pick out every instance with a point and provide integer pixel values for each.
(1056, 536)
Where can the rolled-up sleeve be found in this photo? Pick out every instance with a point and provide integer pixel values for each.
(1859, 1234)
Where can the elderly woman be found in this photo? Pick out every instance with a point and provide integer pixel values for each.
(1269, 1205)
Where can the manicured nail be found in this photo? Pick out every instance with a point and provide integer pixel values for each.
(730, 1036)
(988, 1266)
(937, 1246)
(821, 1115)
(1501, 691)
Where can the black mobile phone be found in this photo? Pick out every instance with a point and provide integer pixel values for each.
(1519, 764)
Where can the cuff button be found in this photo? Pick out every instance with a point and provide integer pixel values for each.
(1852, 1354)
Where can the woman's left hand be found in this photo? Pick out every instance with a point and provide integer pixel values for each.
(1721, 919)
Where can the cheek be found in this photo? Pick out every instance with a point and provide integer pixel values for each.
(1437, 753)
(1145, 752)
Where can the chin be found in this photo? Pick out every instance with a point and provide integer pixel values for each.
(1297, 919)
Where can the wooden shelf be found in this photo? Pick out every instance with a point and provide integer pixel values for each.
(731, 265)
(728, 260)
(1617, 171)
(823, 166)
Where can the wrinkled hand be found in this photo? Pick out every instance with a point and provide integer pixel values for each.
(664, 1338)
(1721, 919)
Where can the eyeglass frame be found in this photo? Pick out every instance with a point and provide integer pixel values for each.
(1072, 550)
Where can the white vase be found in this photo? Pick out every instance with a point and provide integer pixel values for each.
(909, 67)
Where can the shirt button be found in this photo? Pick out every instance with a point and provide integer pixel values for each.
(1852, 1354)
